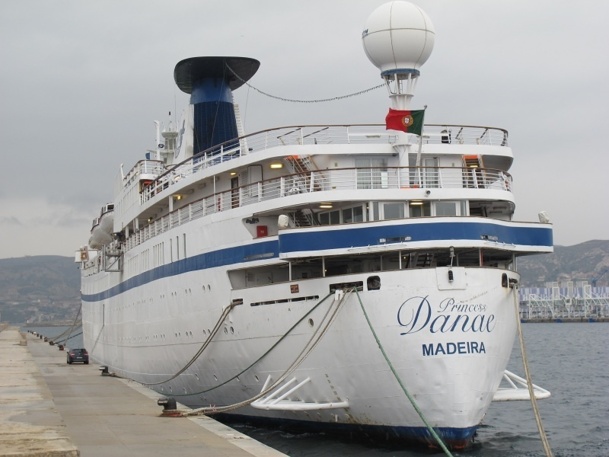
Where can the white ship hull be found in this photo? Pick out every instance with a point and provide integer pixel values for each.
(448, 347)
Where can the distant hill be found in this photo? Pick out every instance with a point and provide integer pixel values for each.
(47, 288)
(39, 288)
(587, 261)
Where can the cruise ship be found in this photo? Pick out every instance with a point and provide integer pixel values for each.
(346, 277)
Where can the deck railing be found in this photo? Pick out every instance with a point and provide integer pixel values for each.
(347, 179)
(309, 135)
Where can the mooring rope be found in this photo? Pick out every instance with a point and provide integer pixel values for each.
(68, 331)
(213, 333)
(208, 341)
(259, 358)
(395, 374)
(307, 349)
(525, 362)
(92, 351)
(70, 337)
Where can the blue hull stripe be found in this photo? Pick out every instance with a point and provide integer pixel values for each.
(230, 256)
(308, 240)
(328, 238)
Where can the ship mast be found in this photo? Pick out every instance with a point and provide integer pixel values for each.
(398, 40)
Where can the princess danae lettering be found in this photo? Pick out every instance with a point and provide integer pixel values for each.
(417, 314)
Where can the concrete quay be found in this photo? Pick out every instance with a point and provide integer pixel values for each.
(51, 409)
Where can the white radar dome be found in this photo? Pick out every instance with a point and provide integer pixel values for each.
(398, 37)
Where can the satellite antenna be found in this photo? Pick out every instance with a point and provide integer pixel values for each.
(398, 39)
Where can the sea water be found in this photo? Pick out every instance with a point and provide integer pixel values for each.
(571, 360)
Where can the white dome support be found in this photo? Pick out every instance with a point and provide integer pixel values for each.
(401, 87)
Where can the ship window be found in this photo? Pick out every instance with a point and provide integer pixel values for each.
(345, 216)
(348, 215)
(355, 214)
(371, 173)
(329, 218)
(335, 217)
(450, 208)
(393, 211)
(420, 210)
(383, 211)
(373, 282)
(446, 208)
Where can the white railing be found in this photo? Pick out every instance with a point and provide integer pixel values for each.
(144, 167)
(303, 135)
(349, 179)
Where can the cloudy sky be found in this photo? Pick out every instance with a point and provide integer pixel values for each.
(81, 82)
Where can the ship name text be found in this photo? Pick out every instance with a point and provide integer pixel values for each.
(417, 314)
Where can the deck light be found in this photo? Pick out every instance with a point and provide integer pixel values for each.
(276, 165)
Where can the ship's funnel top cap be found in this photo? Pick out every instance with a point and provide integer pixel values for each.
(398, 37)
(189, 71)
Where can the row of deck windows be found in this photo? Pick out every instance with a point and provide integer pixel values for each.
(375, 211)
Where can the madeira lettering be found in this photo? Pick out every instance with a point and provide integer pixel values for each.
(462, 347)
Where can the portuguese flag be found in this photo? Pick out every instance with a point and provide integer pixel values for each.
(406, 121)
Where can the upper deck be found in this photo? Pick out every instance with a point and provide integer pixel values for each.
(154, 197)
(150, 181)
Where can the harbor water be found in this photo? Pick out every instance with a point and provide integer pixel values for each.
(571, 360)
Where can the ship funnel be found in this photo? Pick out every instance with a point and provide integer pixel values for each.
(210, 82)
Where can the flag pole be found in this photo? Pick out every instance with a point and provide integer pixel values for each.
(418, 161)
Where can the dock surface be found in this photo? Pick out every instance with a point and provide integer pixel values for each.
(49, 408)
